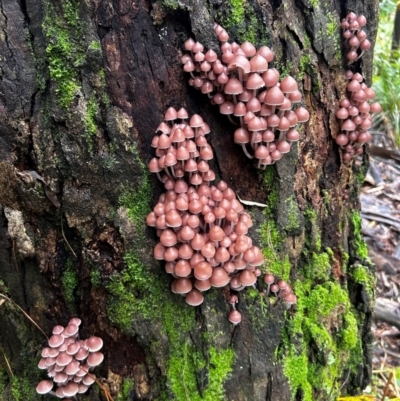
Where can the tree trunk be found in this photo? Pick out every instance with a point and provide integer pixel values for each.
(84, 84)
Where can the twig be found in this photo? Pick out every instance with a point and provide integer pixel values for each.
(7, 363)
(396, 389)
(105, 389)
(65, 239)
(15, 256)
(387, 386)
(26, 315)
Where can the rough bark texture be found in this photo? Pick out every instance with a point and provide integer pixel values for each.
(83, 85)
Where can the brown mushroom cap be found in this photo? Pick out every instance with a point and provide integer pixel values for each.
(274, 96)
(194, 297)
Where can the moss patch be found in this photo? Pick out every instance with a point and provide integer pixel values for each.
(70, 282)
(64, 51)
(142, 293)
(272, 239)
(321, 339)
(241, 18)
(126, 388)
(358, 243)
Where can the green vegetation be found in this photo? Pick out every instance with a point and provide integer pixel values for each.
(321, 310)
(125, 390)
(362, 275)
(242, 18)
(70, 282)
(89, 120)
(358, 242)
(387, 73)
(271, 238)
(138, 201)
(63, 50)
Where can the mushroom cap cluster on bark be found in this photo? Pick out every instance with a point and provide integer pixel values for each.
(69, 361)
(249, 93)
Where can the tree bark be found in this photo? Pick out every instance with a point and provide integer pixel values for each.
(84, 84)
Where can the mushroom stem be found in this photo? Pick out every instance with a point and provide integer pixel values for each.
(230, 119)
(245, 151)
(159, 176)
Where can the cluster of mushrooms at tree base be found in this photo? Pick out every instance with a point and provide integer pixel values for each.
(69, 361)
(202, 228)
(248, 92)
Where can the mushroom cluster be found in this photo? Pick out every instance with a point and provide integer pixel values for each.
(355, 116)
(69, 360)
(356, 39)
(279, 288)
(355, 113)
(248, 92)
(202, 228)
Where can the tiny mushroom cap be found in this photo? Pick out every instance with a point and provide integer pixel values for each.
(266, 52)
(73, 348)
(58, 329)
(44, 387)
(76, 321)
(94, 344)
(235, 316)
(171, 114)
(56, 340)
(88, 380)
(70, 330)
(95, 359)
(302, 114)
(258, 64)
(288, 85)
(70, 389)
(194, 297)
(274, 97)
(63, 359)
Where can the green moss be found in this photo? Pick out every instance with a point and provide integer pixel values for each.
(138, 201)
(319, 266)
(292, 212)
(22, 390)
(305, 63)
(89, 121)
(70, 282)
(95, 45)
(170, 4)
(358, 242)
(95, 278)
(183, 376)
(63, 50)
(237, 12)
(362, 275)
(321, 310)
(271, 238)
(126, 388)
(242, 18)
(3, 380)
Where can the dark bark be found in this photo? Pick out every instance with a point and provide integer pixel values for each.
(84, 84)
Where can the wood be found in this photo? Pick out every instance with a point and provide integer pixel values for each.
(84, 84)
